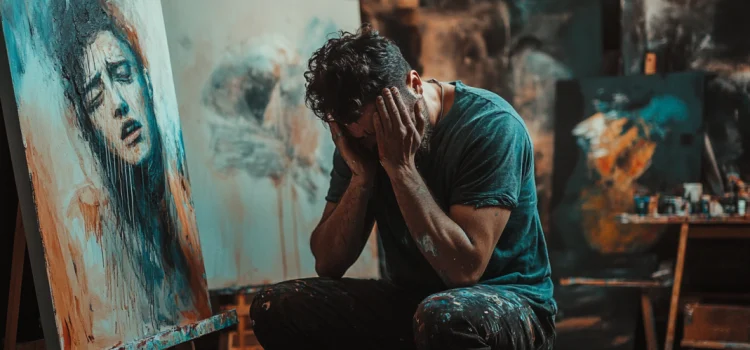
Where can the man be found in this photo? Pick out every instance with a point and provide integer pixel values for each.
(447, 172)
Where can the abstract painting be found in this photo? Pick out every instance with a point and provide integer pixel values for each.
(698, 34)
(616, 137)
(260, 161)
(707, 35)
(94, 103)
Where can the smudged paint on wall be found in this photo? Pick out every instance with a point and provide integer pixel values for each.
(259, 159)
(98, 117)
(618, 137)
(706, 35)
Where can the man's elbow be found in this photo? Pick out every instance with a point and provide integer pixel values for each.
(463, 278)
(328, 271)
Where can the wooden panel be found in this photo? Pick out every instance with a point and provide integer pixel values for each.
(717, 323)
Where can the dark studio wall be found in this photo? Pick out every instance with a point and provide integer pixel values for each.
(29, 328)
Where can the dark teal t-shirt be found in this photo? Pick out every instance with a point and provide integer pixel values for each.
(481, 155)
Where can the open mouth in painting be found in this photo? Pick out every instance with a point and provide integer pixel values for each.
(131, 132)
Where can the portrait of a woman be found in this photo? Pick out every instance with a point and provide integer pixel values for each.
(149, 275)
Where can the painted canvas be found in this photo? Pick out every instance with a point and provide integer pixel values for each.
(260, 161)
(90, 94)
(616, 137)
(707, 35)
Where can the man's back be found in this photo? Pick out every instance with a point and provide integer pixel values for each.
(480, 155)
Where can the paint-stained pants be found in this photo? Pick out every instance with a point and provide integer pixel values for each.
(321, 313)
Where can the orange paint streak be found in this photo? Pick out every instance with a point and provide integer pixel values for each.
(75, 325)
(190, 243)
(295, 212)
(640, 159)
(237, 216)
(614, 144)
(620, 158)
(304, 136)
(87, 204)
(606, 235)
(280, 209)
(374, 242)
(130, 32)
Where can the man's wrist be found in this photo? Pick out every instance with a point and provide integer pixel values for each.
(362, 182)
(403, 172)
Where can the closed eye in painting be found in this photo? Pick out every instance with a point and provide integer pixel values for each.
(115, 102)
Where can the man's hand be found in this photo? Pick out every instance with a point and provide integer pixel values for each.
(362, 166)
(398, 131)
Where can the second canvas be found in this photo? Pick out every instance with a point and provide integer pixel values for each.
(259, 159)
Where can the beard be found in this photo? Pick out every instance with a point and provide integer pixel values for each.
(424, 146)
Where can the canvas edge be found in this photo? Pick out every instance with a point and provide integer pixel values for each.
(184, 334)
(26, 199)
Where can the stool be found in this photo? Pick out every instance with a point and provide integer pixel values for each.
(662, 278)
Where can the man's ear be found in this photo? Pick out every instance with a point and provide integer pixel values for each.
(414, 82)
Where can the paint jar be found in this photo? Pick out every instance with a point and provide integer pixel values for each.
(679, 204)
(705, 204)
(716, 209)
(741, 207)
(668, 205)
(641, 204)
(693, 190)
(653, 205)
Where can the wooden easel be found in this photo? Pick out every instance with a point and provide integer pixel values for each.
(16, 277)
(243, 338)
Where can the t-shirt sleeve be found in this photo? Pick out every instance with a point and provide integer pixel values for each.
(340, 177)
(494, 164)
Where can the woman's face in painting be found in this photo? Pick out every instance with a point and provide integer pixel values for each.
(116, 98)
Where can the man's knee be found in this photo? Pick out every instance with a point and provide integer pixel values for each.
(438, 317)
(273, 303)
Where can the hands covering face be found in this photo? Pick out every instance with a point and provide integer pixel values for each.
(398, 130)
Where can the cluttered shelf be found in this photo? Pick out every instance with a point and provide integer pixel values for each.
(690, 205)
(628, 218)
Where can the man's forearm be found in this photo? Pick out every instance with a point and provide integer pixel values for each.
(441, 240)
(339, 239)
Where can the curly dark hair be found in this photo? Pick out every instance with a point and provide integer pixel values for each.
(350, 71)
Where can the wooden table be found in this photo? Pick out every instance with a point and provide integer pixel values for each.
(720, 231)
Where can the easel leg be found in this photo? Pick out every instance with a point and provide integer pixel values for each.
(241, 324)
(679, 268)
(16, 277)
(648, 320)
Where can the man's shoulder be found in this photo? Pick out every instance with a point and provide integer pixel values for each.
(486, 114)
(472, 95)
(484, 106)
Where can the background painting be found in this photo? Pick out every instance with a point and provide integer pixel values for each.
(259, 159)
(708, 35)
(616, 137)
(101, 136)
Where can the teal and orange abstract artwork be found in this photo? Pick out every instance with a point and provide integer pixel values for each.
(260, 160)
(94, 128)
